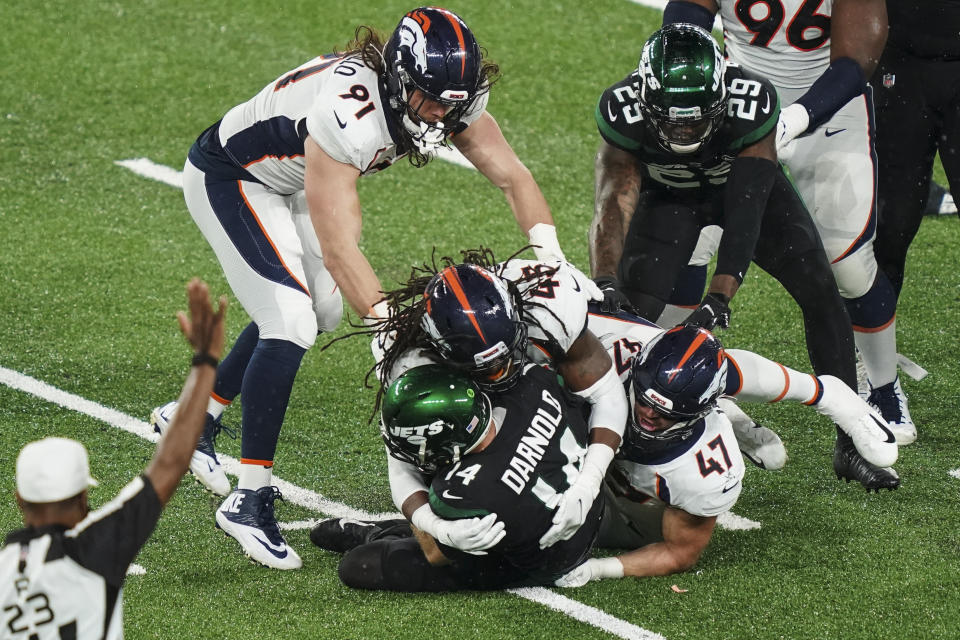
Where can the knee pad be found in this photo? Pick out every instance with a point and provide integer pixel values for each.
(386, 565)
(856, 273)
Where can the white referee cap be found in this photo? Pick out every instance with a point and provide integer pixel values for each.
(52, 469)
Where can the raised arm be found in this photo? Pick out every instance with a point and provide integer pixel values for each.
(204, 331)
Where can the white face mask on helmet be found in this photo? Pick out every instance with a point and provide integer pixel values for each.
(426, 137)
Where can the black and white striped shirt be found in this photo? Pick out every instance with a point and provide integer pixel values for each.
(66, 584)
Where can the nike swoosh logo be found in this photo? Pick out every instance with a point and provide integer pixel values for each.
(343, 125)
(731, 487)
(576, 285)
(884, 428)
(209, 466)
(832, 132)
(610, 113)
(766, 109)
(449, 496)
(277, 552)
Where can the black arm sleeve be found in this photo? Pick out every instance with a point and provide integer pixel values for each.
(689, 12)
(744, 201)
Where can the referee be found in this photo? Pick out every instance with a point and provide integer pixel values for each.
(62, 576)
(917, 92)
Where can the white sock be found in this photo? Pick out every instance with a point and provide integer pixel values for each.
(255, 476)
(673, 315)
(215, 407)
(879, 352)
(763, 380)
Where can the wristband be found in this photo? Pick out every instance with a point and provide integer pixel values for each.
(203, 357)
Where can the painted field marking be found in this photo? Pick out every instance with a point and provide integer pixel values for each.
(309, 499)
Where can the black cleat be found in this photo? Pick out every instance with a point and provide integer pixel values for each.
(343, 534)
(849, 465)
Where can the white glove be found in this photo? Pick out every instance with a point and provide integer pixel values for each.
(472, 535)
(546, 247)
(793, 121)
(592, 569)
(575, 503)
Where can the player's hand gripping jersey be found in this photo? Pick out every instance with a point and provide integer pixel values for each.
(752, 111)
(540, 443)
(337, 100)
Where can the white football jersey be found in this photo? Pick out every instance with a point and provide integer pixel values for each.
(337, 100)
(787, 41)
(556, 305)
(623, 338)
(702, 476)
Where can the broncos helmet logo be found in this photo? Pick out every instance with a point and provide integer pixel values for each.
(412, 36)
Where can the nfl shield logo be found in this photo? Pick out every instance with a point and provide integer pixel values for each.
(889, 80)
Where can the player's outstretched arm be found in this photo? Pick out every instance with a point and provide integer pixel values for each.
(204, 330)
(483, 144)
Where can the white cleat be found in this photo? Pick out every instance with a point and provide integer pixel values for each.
(891, 402)
(247, 517)
(760, 445)
(204, 464)
(866, 427)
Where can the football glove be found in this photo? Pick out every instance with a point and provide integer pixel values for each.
(471, 535)
(575, 503)
(793, 121)
(713, 311)
(614, 299)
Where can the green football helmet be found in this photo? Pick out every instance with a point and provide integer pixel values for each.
(682, 92)
(432, 415)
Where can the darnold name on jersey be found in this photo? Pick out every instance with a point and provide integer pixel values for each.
(533, 444)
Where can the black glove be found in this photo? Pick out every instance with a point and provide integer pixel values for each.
(713, 311)
(614, 299)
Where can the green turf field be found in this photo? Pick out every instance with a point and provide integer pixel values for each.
(95, 259)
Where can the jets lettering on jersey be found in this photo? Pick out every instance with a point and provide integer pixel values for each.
(533, 444)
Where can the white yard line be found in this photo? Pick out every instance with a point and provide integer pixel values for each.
(955, 473)
(308, 499)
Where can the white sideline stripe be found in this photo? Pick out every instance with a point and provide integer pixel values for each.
(730, 520)
(136, 570)
(585, 613)
(162, 173)
(955, 473)
(305, 498)
(150, 169)
(291, 492)
(660, 4)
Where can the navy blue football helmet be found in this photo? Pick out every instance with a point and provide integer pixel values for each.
(473, 321)
(433, 50)
(680, 374)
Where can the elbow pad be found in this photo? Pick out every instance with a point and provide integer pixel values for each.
(608, 402)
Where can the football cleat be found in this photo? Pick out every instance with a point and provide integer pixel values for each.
(204, 464)
(343, 534)
(891, 402)
(868, 431)
(940, 201)
(850, 465)
(247, 517)
(758, 444)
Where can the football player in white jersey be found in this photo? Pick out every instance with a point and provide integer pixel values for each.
(273, 188)
(680, 466)
(490, 320)
(819, 55)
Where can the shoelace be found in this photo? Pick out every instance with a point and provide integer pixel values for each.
(265, 518)
(217, 428)
(885, 399)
